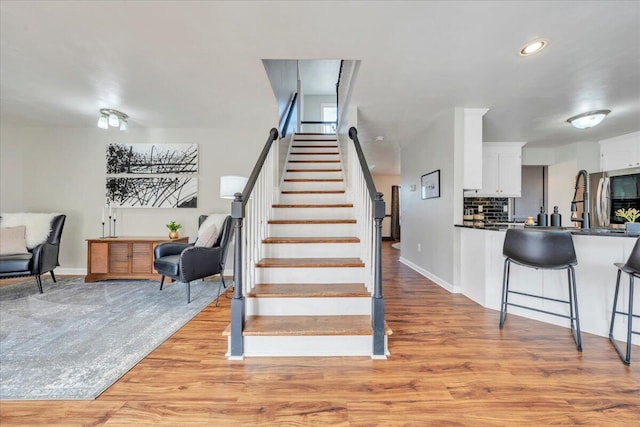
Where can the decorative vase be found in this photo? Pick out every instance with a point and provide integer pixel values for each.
(173, 235)
(632, 227)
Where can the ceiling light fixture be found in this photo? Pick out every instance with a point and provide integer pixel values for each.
(112, 118)
(533, 47)
(588, 119)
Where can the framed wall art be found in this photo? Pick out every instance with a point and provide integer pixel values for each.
(152, 175)
(430, 185)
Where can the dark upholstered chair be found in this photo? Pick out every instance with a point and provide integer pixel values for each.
(185, 262)
(632, 268)
(541, 249)
(40, 260)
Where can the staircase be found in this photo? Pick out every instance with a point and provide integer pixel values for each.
(309, 296)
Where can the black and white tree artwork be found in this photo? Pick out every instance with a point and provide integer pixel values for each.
(152, 175)
(145, 159)
(157, 192)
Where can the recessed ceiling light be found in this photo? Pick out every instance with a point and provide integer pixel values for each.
(379, 138)
(588, 119)
(533, 47)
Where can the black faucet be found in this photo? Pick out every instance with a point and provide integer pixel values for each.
(584, 221)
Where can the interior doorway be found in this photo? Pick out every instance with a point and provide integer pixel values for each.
(534, 193)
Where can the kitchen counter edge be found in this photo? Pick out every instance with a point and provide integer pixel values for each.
(572, 230)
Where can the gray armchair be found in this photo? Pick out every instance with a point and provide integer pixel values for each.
(185, 262)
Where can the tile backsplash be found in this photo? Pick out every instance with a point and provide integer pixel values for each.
(492, 207)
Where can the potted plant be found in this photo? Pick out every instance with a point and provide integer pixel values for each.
(173, 228)
(630, 215)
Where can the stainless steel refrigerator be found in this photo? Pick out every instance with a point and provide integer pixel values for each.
(610, 191)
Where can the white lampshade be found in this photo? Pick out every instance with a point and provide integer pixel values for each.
(103, 123)
(114, 121)
(124, 125)
(230, 185)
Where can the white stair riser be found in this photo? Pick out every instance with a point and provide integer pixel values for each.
(305, 199)
(314, 157)
(318, 148)
(310, 275)
(356, 306)
(313, 138)
(313, 175)
(313, 186)
(342, 345)
(313, 165)
(308, 213)
(311, 250)
(312, 230)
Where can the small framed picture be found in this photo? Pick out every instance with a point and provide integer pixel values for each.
(430, 185)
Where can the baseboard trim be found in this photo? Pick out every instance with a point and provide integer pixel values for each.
(75, 271)
(70, 271)
(437, 280)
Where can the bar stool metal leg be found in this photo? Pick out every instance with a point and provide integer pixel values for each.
(629, 320)
(573, 308)
(505, 292)
(624, 356)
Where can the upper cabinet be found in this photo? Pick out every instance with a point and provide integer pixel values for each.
(472, 177)
(501, 170)
(620, 153)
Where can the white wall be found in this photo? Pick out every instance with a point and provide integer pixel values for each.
(586, 155)
(561, 184)
(312, 103)
(11, 170)
(430, 223)
(63, 170)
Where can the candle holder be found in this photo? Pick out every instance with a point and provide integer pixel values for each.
(110, 226)
(103, 229)
(114, 227)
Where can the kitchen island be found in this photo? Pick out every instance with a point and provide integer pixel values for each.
(482, 262)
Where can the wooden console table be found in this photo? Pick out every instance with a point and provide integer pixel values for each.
(123, 257)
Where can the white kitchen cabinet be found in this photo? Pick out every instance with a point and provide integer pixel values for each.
(501, 171)
(619, 154)
(472, 177)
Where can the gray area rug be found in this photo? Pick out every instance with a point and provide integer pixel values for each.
(76, 339)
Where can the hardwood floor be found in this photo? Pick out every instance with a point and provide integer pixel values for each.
(450, 365)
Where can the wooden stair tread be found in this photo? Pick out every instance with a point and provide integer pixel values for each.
(338, 205)
(312, 145)
(314, 170)
(307, 325)
(312, 192)
(309, 263)
(312, 221)
(277, 240)
(313, 180)
(309, 290)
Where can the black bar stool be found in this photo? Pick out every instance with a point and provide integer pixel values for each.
(545, 250)
(632, 268)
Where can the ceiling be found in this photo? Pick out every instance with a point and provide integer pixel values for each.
(198, 64)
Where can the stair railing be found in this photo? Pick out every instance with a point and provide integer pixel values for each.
(251, 210)
(370, 211)
(290, 113)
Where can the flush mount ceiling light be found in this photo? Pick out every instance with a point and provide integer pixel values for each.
(112, 118)
(588, 119)
(533, 47)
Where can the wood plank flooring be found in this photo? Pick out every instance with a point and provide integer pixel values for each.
(450, 365)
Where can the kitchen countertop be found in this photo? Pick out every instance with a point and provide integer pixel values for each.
(503, 226)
